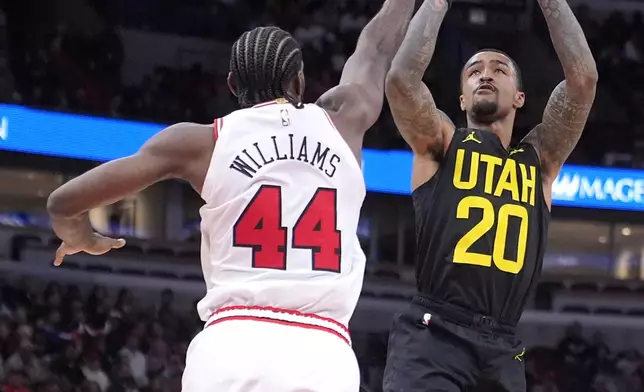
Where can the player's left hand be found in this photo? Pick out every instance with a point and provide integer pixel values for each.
(98, 246)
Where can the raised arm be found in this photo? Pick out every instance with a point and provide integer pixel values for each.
(567, 110)
(180, 151)
(426, 129)
(355, 104)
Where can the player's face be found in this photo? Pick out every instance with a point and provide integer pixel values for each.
(490, 87)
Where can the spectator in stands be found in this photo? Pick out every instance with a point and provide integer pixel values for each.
(630, 366)
(599, 355)
(4, 309)
(122, 379)
(94, 373)
(124, 305)
(68, 365)
(16, 381)
(24, 360)
(132, 357)
(573, 347)
(157, 358)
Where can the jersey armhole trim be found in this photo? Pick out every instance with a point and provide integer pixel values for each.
(217, 125)
(206, 189)
(440, 161)
(329, 118)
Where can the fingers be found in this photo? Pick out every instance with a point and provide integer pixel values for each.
(107, 243)
(119, 243)
(102, 246)
(58, 260)
(61, 252)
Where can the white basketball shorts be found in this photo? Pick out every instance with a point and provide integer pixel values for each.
(253, 349)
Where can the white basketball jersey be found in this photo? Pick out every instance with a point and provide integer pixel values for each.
(283, 196)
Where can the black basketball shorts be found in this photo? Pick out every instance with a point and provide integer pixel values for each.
(428, 353)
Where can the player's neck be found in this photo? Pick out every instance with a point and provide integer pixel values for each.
(502, 128)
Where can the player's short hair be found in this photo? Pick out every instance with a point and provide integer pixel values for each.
(514, 64)
(263, 63)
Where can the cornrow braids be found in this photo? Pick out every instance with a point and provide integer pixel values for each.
(263, 63)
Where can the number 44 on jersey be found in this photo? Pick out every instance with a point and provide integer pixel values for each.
(259, 228)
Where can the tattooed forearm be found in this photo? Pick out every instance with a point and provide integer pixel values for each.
(412, 105)
(417, 118)
(569, 106)
(569, 41)
(562, 125)
(417, 49)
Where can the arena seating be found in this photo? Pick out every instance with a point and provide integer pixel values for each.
(78, 328)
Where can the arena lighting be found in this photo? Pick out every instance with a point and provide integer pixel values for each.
(101, 139)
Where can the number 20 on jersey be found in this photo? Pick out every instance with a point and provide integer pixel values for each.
(260, 228)
(490, 219)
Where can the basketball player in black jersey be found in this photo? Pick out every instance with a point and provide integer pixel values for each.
(482, 208)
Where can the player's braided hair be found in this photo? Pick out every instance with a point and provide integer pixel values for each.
(263, 63)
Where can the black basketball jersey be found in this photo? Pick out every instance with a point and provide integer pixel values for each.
(481, 226)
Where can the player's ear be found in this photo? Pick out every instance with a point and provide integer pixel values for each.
(519, 100)
(462, 102)
(231, 83)
(301, 84)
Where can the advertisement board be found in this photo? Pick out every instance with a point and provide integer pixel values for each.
(100, 139)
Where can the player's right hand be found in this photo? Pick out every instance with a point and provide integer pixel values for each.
(98, 246)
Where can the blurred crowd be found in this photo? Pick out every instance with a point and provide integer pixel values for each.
(584, 364)
(81, 72)
(59, 340)
(64, 69)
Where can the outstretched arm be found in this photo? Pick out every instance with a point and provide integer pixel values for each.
(567, 110)
(426, 129)
(355, 104)
(175, 152)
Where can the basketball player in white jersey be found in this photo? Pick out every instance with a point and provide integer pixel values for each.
(283, 188)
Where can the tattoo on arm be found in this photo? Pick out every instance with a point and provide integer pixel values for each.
(569, 41)
(412, 105)
(564, 120)
(569, 106)
(417, 49)
(417, 118)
